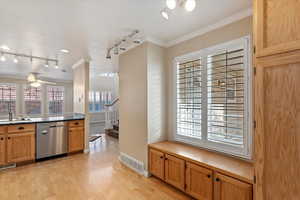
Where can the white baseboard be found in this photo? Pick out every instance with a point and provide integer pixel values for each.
(133, 164)
(86, 151)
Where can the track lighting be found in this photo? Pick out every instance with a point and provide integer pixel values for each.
(3, 59)
(47, 64)
(5, 48)
(35, 84)
(116, 50)
(108, 55)
(190, 5)
(56, 65)
(171, 4)
(165, 14)
(16, 60)
(118, 46)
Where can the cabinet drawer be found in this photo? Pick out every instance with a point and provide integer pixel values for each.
(20, 128)
(76, 123)
(2, 129)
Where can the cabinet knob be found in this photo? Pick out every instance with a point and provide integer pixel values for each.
(208, 176)
(166, 158)
(21, 128)
(161, 157)
(217, 179)
(76, 123)
(2, 138)
(8, 138)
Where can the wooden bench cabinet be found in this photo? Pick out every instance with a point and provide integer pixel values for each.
(174, 171)
(157, 163)
(201, 180)
(227, 188)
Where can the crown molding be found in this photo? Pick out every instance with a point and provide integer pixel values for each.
(80, 62)
(233, 18)
(156, 41)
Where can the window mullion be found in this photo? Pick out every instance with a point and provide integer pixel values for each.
(204, 100)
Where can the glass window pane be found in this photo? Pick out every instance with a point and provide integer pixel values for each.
(32, 100)
(55, 99)
(8, 95)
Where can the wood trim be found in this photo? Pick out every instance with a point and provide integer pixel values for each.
(279, 59)
(236, 168)
(3, 129)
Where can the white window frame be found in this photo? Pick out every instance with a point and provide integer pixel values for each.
(23, 101)
(4, 116)
(245, 152)
(47, 99)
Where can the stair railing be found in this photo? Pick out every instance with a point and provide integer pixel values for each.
(111, 114)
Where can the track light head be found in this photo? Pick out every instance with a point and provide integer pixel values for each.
(108, 55)
(165, 14)
(3, 59)
(16, 60)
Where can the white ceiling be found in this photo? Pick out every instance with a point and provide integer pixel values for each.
(88, 27)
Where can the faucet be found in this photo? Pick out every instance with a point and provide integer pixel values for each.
(10, 114)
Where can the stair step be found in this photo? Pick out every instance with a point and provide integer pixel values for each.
(113, 133)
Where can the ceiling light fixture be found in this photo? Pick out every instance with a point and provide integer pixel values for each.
(56, 65)
(171, 4)
(116, 50)
(16, 59)
(4, 47)
(3, 59)
(64, 51)
(190, 5)
(35, 84)
(165, 14)
(47, 64)
(108, 55)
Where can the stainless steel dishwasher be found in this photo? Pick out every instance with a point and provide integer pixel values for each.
(51, 139)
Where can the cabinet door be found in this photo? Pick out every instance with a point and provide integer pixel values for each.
(276, 26)
(199, 182)
(174, 171)
(227, 188)
(20, 147)
(76, 139)
(156, 164)
(277, 138)
(2, 150)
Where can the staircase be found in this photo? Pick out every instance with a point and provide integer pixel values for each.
(112, 119)
(114, 132)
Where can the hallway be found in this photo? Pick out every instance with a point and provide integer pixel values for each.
(95, 176)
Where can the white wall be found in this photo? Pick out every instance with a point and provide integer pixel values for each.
(81, 95)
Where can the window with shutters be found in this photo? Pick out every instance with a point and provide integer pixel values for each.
(212, 98)
(7, 99)
(56, 99)
(32, 100)
(98, 100)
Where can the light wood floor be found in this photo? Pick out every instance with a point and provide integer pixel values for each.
(98, 175)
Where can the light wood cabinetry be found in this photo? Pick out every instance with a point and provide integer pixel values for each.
(201, 174)
(76, 139)
(227, 188)
(2, 150)
(277, 99)
(199, 182)
(174, 171)
(157, 163)
(277, 26)
(20, 147)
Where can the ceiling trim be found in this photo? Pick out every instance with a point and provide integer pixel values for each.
(156, 41)
(78, 63)
(233, 18)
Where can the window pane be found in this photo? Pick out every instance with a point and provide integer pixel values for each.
(7, 98)
(225, 97)
(55, 99)
(32, 100)
(189, 99)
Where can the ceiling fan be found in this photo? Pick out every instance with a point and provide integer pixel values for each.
(33, 80)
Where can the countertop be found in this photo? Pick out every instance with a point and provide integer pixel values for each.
(67, 117)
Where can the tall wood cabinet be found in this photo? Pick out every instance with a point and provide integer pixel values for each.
(277, 99)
